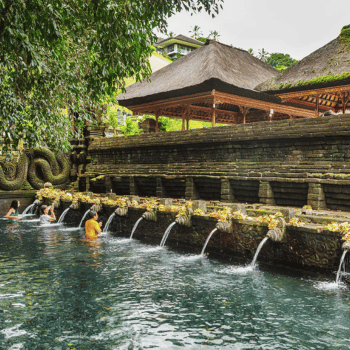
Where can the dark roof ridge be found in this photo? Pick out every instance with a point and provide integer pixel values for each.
(211, 41)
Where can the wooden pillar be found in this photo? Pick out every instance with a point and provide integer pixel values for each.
(244, 110)
(157, 125)
(213, 117)
(271, 114)
(188, 123)
(317, 106)
(345, 100)
(184, 116)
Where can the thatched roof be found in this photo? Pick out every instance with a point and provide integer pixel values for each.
(330, 60)
(212, 66)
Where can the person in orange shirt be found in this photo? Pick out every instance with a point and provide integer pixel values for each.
(92, 227)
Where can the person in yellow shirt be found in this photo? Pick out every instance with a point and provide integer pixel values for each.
(92, 227)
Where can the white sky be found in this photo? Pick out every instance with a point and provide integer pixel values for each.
(296, 27)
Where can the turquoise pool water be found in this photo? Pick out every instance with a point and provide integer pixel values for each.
(58, 291)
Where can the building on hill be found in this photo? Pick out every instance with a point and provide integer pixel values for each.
(179, 44)
(321, 80)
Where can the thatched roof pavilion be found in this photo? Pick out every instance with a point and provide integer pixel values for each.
(213, 83)
(320, 80)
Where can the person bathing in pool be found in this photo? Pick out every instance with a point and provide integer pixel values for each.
(92, 227)
(12, 211)
(45, 218)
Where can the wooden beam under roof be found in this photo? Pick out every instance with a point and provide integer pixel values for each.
(314, 92)
(263, 105)
(211, 97)
(310, 104)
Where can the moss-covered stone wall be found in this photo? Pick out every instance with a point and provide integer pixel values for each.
(303, 247)
(290, 162)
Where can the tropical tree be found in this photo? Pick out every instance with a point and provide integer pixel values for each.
(196, 32)
(263, 55)
(63, 58)
(214, 34)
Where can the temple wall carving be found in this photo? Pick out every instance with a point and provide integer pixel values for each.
(33, 168)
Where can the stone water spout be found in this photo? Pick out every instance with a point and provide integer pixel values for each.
(150, 216)
(346, 245)
(278, 234)
(185, 220)
(96, 207)
(121, 211)
(74, 206)
(38, 202)
(225, 226)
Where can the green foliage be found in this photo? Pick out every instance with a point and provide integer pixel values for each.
(279, 60)
(56, 54)
(281, 68)
(131, 127)
(281, 86)
(324, 79)
(345, 34)
(175, 124)
(202, 39)
(251, 51)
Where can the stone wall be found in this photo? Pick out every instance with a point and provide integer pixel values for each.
(289, 162)
(25, 197)
(303, 247)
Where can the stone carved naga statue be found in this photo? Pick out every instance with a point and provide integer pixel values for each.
(37, 166)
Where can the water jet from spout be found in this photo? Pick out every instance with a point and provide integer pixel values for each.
(63, 215)
(82, 220)
(166, 234)
(206, 242)
(135, 226)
